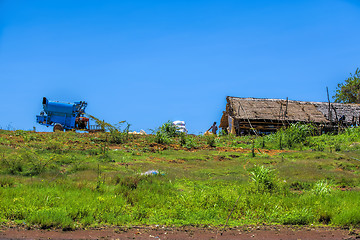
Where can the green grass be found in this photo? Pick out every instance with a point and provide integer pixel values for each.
(70, 180)
(161, 201)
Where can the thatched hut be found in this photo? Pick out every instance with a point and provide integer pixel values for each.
(246, 115)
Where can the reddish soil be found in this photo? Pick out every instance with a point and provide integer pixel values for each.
(244, 232)
(155, 147)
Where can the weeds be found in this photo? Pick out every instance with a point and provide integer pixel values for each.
(117, 135)
(322, 187)
(294, 134)
(302, 216)
(264, 179)
(49, 218)
(12, 164)
(6, 182)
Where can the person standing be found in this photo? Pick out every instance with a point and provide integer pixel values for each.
(213, 128)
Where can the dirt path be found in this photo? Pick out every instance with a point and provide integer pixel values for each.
(244, 232)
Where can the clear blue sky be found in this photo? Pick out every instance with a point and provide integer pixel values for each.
(152, 61)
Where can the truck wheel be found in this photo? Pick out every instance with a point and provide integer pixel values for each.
(58, 128)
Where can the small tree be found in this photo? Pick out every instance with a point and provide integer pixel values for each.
(349, 92)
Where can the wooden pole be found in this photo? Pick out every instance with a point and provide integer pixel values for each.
(329, 110)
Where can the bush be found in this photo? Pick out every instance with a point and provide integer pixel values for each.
(167, 131)
(211, 140)
(162, 138)
(13, 164)
(188, 142)
(170, 129)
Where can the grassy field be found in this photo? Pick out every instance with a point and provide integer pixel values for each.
(77, 180)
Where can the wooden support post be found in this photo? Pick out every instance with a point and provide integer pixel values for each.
(329, 110)
(253, 148)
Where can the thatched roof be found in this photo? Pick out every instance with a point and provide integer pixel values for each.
(275, 110)
(349, 110)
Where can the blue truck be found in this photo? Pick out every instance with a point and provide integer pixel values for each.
(64, 116)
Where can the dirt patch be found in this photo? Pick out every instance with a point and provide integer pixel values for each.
(220, 158)
(155, 147)
(158, 232)
(270, 152)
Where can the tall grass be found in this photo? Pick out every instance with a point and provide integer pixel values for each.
(295, 134)
(156, 200)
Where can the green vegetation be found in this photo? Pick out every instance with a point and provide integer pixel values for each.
(77, 180)
(263, 179)
(349, 91)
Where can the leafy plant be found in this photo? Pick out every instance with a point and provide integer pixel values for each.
(322, 187)
(170, 129)
(167, 131)
(295, 133)
(263, 179)
(13, 164)
(349, 91)
(188, 142)
(162, 138)
(211, 140)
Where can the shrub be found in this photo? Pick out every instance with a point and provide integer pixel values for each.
(170, 129)
(13, 164)
(188, 142)
(162, 138)
(211, 140)
(167, 131)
